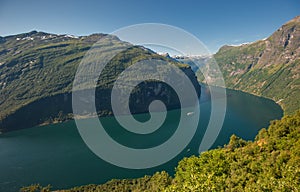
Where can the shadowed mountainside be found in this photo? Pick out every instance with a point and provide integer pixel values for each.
(37, 70)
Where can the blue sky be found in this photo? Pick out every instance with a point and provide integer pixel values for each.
(214, 22)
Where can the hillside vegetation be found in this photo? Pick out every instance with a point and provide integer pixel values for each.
(37, 70)
(268, 68)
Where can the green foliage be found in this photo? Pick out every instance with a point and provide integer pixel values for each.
(156, 183)
(204, 173)
(36, 188)
(235, 142)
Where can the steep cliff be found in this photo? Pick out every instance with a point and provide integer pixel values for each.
(268, 68)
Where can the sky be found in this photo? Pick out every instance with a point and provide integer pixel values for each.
(214, 22)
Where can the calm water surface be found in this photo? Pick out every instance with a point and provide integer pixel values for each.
(56, 154)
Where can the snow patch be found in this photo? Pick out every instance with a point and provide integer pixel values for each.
(191, 56)
(28, 38)
(71, 36)
(241, 44)
(247, 43)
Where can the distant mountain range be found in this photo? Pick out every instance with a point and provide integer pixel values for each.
(37, 70)
(268, 68)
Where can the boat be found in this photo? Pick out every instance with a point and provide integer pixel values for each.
(190, 113)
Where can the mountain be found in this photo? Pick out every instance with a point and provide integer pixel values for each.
(268, 68)
(194, 61)
(37, 70)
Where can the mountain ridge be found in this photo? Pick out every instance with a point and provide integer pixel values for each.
(38, 68)
(268, 68)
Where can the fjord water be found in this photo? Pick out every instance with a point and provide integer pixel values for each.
(56, 154)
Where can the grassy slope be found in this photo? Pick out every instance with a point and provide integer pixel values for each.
(32, 69)
(268, 68)
(44, 66)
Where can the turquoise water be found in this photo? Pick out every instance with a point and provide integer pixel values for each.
(56, 154)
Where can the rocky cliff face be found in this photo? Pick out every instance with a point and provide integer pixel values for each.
(268, 68)
(37, 70)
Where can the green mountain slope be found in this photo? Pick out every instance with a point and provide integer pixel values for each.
(37, 70)
(268, 68)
